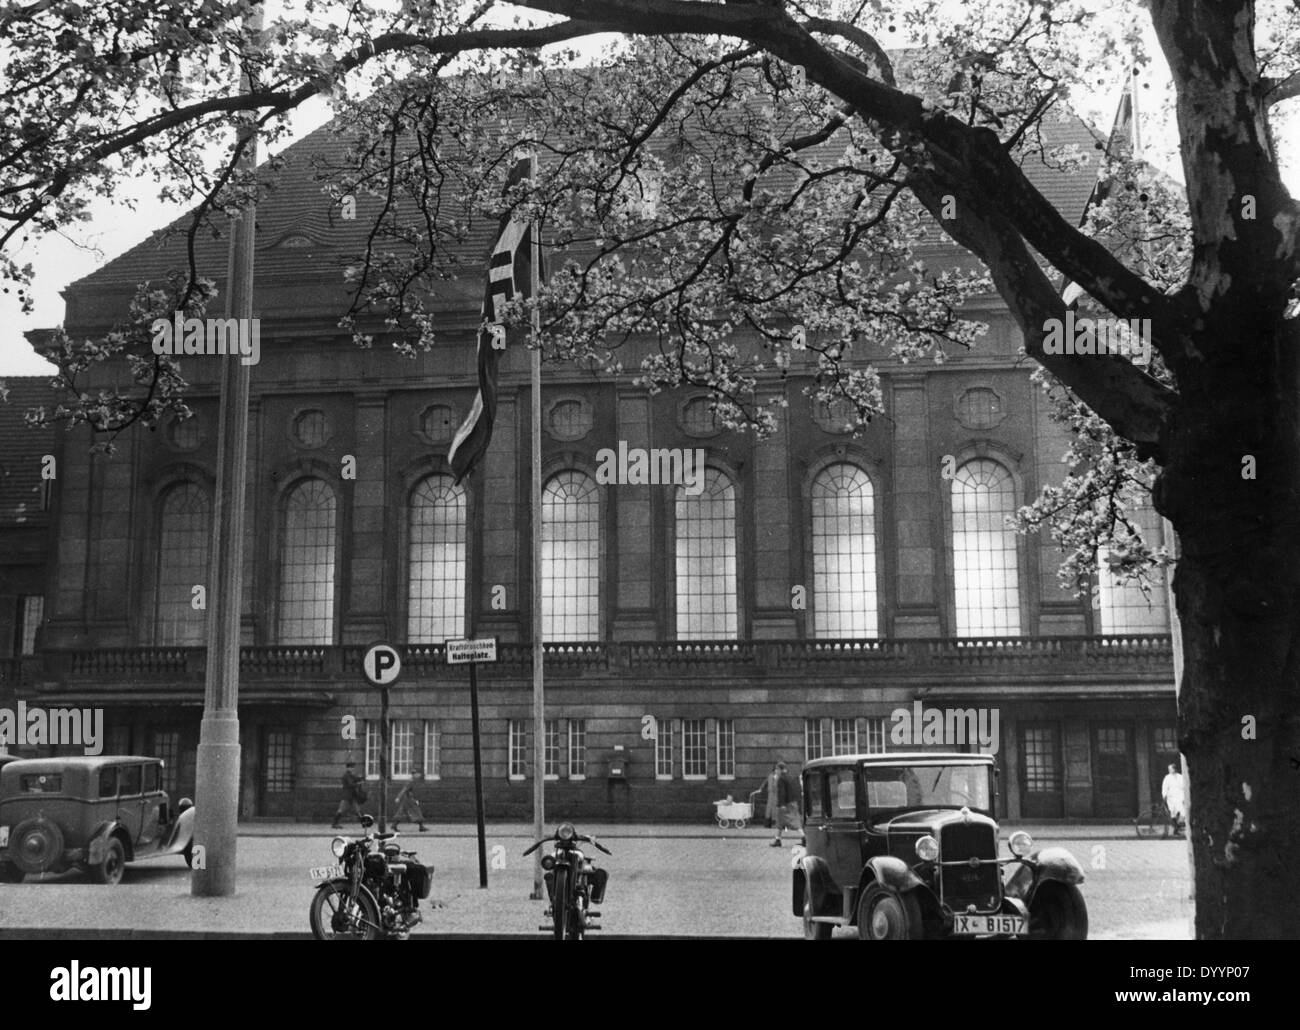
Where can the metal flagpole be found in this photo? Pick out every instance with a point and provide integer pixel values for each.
(216, 788)
(539, 693)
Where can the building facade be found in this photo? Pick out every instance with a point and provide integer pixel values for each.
(801, 598)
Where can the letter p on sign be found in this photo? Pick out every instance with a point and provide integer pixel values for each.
(381, 664)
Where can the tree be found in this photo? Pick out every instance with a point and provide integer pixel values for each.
(816, 156)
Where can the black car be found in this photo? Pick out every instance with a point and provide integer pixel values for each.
(905, 846)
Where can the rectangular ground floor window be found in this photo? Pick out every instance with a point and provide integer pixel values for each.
(726, 749)
(695, 749)
(813, 746)
(518, 747)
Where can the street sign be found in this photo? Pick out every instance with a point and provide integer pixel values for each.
(461, 652)
(381, 664)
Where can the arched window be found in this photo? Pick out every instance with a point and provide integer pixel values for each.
(984, 557)
(306, 608)
(1122, 604)
(436, 567)
(844, 553)
(570, 558)
(184, 538)
(706, 560)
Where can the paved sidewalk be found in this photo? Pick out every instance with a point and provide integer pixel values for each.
(674, 881)
(703, 831)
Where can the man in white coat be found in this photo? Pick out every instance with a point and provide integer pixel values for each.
(1171, 789)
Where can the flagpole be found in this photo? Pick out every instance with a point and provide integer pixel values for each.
(539, 692)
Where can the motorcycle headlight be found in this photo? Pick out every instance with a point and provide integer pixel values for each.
(548, 861)
(927, 849)
(1020, 843)
(337, 845)
(566, 831)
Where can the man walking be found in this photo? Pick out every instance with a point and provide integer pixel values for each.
(407, 805)
(782, 801)
(1171, 790)
(353, 795)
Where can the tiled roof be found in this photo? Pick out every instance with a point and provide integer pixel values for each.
(301, 236)
(21, 449)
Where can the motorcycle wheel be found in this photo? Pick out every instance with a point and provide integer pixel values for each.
(577, 919)
(560, 904)
(361, 921)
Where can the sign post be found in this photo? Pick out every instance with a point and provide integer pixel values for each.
(382, 665)
(471, 652)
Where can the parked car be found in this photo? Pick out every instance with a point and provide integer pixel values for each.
(904, 847)
(93, 814)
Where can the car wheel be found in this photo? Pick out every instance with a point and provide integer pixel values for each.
(110, 868)
(813, 931)
(1058, 913)
(11, 874)
(36, 845)
(886, 915)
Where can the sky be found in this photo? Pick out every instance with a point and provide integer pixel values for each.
(115, 227)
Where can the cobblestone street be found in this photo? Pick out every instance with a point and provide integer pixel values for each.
(664, 881)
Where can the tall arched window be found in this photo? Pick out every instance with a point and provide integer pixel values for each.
(706, 560)
(570, 558)
(436, 562)
(1122, 604)
(844, 553)
(985, 562)
(184, 539)
(306, 608)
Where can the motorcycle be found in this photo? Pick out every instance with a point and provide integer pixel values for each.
(373, 893)
(573, 883)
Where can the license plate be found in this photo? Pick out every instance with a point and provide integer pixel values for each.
(326, 872)
(969, 926)
(4, 836)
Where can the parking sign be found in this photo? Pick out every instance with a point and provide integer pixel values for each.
(381, 664)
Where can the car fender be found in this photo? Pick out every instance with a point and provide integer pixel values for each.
(889, 871)
(99, 840)
(817, 879)
(181, 835)
(1057, 864)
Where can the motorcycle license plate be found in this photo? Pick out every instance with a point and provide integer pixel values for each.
(969, 926)
(326, 872)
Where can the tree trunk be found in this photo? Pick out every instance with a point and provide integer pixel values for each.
(1232, 490)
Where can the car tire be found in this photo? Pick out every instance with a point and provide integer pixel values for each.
(11, 874)
(1058, 913)
(886, 915)
(36, 845)
(109, 869)
(813, 931)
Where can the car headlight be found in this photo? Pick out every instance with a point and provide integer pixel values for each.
(337, 845)
(1020, 843)
(927, 849)
(566, 831)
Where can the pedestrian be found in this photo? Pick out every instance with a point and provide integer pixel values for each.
(407, 805)
(354, 793)
(782, 801)
(1171, 790)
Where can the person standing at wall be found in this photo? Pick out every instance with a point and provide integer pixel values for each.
(782, 801)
